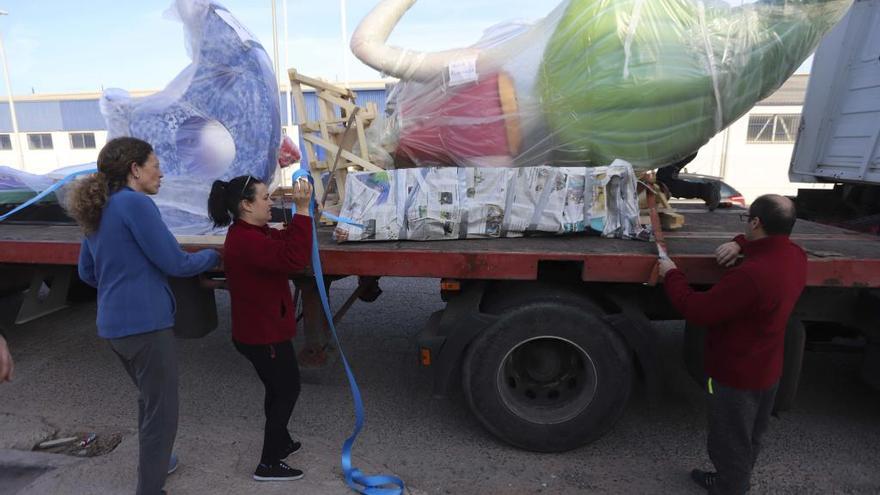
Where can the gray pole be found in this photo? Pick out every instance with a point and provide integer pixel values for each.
(17, 140)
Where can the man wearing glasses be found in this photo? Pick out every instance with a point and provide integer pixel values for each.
(745, 315)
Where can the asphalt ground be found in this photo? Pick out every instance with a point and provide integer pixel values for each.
(68, 380)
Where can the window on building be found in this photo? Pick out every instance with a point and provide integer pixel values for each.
(5, 142)
(82, 140)
(40, 141)
(773, 128)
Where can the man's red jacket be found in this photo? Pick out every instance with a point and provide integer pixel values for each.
(258, 262)
(746, 312)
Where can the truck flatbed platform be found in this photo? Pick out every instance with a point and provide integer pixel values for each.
(837, 257)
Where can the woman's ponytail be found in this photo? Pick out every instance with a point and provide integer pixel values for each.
(86, 201)
(225, 198)
(217, 209)
(89, 195)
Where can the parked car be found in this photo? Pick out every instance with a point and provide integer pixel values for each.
(730, 197)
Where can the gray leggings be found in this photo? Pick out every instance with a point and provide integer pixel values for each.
(151, 361)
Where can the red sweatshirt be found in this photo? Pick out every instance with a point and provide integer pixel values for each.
(258, 261)
(746, 312)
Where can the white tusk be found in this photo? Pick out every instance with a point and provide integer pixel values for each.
(369, 45)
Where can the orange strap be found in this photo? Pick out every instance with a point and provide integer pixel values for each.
(650, 196)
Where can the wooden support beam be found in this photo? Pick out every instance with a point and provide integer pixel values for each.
(342, 103)
(362, 137)
(318, 84)
(348, 155)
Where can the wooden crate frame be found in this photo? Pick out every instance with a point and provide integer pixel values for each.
(669, 218)
(339, 123)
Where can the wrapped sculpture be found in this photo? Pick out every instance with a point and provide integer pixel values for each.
(445, 203)
(646, 81)
(219, 118)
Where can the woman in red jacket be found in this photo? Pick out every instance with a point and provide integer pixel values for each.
(258, 261)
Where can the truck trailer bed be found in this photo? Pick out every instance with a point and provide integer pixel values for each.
(837, 257)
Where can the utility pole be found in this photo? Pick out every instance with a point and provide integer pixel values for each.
(17, 141)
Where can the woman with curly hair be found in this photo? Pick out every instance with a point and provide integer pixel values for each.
(128, 254)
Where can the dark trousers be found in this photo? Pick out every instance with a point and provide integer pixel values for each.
(737, 421)
(150, 359)
(680, 188)
(278, 370)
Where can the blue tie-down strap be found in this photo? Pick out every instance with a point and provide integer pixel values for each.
(304, 174)
(49, 190)
(359, 482)
(341, 219)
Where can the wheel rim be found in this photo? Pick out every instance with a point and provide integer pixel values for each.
(547, 380)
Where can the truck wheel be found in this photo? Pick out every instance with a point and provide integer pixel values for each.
(548, 377)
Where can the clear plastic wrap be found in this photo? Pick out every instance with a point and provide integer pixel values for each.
(480, 203)
(646, 81)
(18, 186)
(218, 119)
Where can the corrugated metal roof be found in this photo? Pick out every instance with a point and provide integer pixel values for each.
(76, 113)
(39, 116)
(792, 92)
(5, 118)
(82, 115)
(376, 96)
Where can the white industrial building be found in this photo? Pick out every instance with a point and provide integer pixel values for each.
(754, 153)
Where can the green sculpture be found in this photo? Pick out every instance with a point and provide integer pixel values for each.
(646, 81)
(652, 81)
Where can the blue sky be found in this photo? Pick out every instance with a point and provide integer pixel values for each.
(57, 46)
(64, 45)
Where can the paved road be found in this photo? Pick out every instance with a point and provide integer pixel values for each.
(69, 380)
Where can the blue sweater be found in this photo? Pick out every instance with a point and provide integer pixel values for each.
(129, 260)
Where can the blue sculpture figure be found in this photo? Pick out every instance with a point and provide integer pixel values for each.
(219, 118)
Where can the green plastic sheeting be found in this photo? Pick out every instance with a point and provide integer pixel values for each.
(650, 81)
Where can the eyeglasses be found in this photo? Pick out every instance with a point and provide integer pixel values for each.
(243, 189)
(745, 217)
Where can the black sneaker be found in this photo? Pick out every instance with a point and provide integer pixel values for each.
(713, 195)
(276, 472)
(292, 448)
(705, 479)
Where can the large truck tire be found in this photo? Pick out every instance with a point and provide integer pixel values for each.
(548, 376)
(795, 341)
(694, 339)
